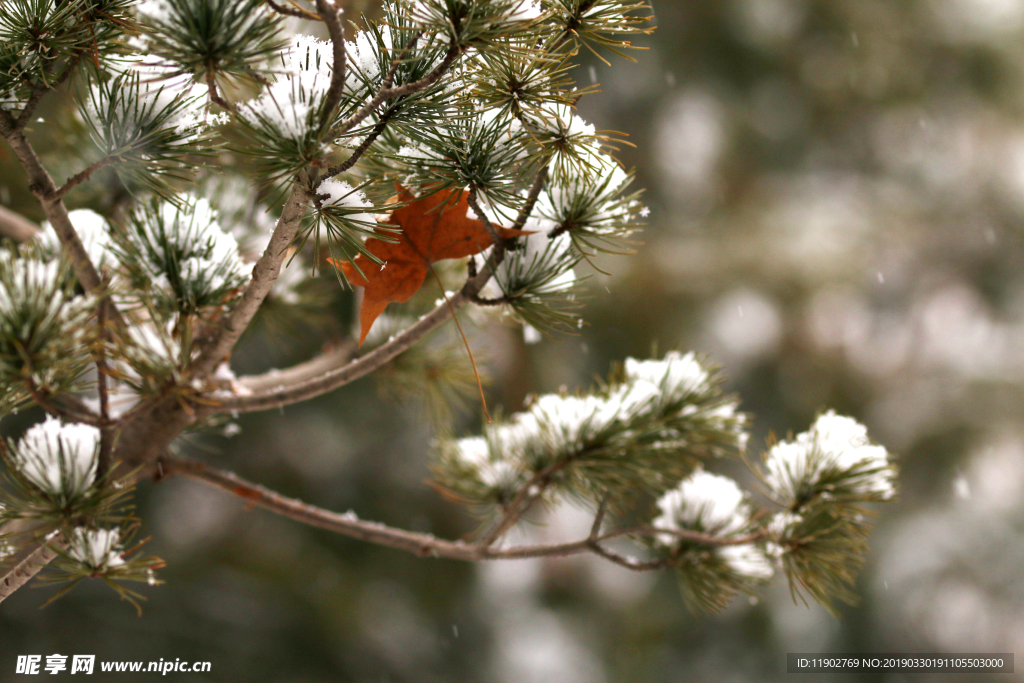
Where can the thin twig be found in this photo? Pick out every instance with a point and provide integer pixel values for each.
(333, 16)
(71, 410)
(21, 573)
(106, 435)
(386, 92)
(214, 93)
(482, 217)
(524, 498)
(347, 524)
(298, 384)
(359, 151)
(294, 11)
(45, 190)
(84, 175)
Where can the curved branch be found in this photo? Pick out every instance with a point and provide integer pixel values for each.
(294, 11)
(348, 524)
(333, 16)
(16, 226)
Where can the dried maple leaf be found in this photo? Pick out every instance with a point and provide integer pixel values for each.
(434, 228)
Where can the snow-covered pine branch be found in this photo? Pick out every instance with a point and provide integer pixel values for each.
(231, 156)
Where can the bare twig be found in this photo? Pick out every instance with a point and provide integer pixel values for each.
(300, 384)
(84, 175)
(45, 190)
(359, 151)
(214, 93)
(294, 11)
(424, 545)
(333, 15)
(21, 573)
(524, 498)
(475, 205)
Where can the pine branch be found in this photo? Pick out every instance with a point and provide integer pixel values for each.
(300, 384)
(45, 191)
(359, 151)
(523, 499)
(333, 16)
(424, 545)
(386, 92)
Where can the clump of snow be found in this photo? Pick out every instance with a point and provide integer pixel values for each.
(713, 504)
(704, 502)
(676, 375)
(836, 446)
(97, 549)
(303, 81)
(475, 454)
(59, 459)
(534, 260)
(190, 241)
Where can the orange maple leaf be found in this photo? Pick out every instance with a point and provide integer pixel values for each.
(434, 228)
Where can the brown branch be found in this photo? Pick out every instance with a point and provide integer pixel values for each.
(294, 11)
(424, 545)
(45, 190)
(359, 151)
(21, 573)
(386, 92)
(333, 16)
(524, 498)
(16, 226)
(214, 93)
(299, 383)
(264, 274)
(475, 205)
(84, 175)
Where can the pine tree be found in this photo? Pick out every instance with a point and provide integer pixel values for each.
(443, 120)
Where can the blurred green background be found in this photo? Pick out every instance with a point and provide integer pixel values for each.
(836, 192)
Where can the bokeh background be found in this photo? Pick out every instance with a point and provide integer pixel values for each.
(837, 194)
